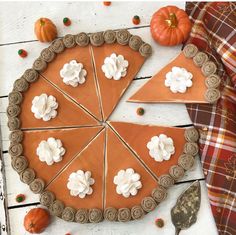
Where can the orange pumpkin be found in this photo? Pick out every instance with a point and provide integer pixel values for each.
(170, 26)
(45, 30)
(36, 220)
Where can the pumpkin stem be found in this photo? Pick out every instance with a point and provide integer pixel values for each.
(42, 22)
(31, 225)
(172, 20)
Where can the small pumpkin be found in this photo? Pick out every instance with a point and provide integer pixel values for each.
(36, 220)
(45, 30)
(136, 20)
(107, 3)
(170, 26)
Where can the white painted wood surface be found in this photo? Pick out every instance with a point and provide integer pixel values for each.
(16, 27)
(145, 226)
(4, 228)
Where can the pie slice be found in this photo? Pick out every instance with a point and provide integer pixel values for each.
(119, 157)
(90, 159)
(112, 90)
(73, 141)
(85, 94)
(204, 87)
(68, 113)
(137, 136)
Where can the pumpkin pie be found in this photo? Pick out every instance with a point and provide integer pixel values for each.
(111, 90)
(92, 159)
(118, 157)
(85, 94)
(204, 85)
(138, 136)
(84, 167)
(74, 140)
(68, 112)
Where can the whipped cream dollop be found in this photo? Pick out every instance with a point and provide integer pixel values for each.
(128, 182)
(44, 107)
(73, 73)
(50, 150)
(79, 183)
(161, 147)
(178, 79)
(115, 67)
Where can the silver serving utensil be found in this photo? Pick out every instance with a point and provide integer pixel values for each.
(184, 213)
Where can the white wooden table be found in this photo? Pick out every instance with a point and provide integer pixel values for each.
(16, 31)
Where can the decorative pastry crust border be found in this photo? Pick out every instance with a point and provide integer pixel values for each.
(37, 185)
(208, 69)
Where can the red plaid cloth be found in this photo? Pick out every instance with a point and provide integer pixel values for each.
(214, 31)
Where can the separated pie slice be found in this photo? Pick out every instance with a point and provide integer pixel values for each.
(138, 136)
(49, 114)
(72, 141)
(119, 157)
(90, 159)
(85, 91)
(112, 90)
(155, 90)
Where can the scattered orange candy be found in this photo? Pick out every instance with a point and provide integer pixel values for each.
(20, 198)
(22, 53)
(107, 3)
(159, 222)
(136, 20)
(66, 21)
(140, 111)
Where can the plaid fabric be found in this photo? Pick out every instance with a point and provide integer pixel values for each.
(214, 31)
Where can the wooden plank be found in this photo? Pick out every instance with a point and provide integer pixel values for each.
(5, 131)
(10, 59)
(205, 222)
(4, 220)
(85, 16)
(3, 104)
(3, 124)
